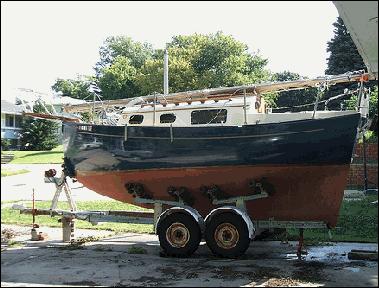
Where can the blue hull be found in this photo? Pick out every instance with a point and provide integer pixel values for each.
(305, 142)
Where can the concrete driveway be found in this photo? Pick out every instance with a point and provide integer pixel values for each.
(112, 262)
(20, 187)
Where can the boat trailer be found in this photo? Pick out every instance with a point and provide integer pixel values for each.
(227, 229)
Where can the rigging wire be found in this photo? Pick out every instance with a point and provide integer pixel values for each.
(319, 102)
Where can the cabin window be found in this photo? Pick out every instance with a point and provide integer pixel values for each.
(167, 118)
(136, 119)
(208, 116)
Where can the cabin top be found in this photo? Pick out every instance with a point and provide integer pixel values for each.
(195, 113)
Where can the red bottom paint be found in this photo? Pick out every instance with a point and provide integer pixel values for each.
(302, 193)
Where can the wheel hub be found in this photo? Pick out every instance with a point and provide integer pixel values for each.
(226, 236)
(177, 235)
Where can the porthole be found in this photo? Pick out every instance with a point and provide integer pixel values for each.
(136, 119)
(167, 118)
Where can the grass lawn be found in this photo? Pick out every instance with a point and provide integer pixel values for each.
(358, 220)
(8, 172)
(10, 216)
(55, 156)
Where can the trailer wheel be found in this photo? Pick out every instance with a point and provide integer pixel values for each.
(227, 235)
(179, 234)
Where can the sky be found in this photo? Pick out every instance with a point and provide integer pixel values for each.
(43, 41)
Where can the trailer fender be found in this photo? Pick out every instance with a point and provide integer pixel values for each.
(186, 210)
(235, 210)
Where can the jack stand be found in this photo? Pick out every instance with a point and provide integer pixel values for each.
(68, 228)
(301, 244)
(68, 223)
(34, 234)
(60, 183)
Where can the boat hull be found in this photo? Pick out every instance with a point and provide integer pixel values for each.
(302, 193)
(305, 161)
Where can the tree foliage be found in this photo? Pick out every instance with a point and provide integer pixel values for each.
(38, 134)
(373, 105)
(344, 57)
(124, 46)
(78, 88)
(296, 97)
(203, 61)
(118, 80)
(129, 69)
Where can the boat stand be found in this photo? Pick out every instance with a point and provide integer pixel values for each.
(301, 243)
(68, 222)
(60, 184)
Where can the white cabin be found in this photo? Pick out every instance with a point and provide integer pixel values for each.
(229, 112)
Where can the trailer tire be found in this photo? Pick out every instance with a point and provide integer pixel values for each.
(179, 235)
(227, 235)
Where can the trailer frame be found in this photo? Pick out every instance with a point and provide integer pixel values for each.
(236, 205)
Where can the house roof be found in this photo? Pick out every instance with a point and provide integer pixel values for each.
(64, 100)
(10, 108)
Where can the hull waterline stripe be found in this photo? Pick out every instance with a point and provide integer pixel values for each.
(229, 137)
(101, 134)
(192, 168)
(205, 138)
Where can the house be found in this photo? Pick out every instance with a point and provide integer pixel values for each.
(11, 117)
(11, 114)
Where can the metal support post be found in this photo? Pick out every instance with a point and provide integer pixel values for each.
(154, 111)
(301, 242)
(68, 229)
(158, 207)
(319, 94)
(364, 161)
(244, 107)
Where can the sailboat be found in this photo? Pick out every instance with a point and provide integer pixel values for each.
(218, 143)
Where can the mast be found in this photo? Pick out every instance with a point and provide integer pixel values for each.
(165, 74)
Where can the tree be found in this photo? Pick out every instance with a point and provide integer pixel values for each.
(78, 88)
(202, 61)
(129, 68)
(5, 144)
(296, 97)
(344, 57)
(124, 46)
(38, 134)
(118, 80)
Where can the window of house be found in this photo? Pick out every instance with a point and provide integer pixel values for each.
(136, 119)
(167, 118)
(208, 116)
(9, 120)
(18, 121)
